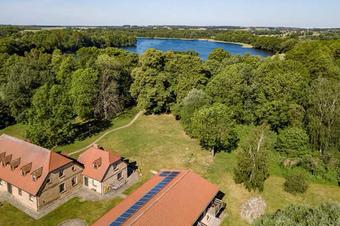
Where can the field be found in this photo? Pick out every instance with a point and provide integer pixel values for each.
(159, 142)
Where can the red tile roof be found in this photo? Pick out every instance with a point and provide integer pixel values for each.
(103, 159)
(180, 203)
(32, 156)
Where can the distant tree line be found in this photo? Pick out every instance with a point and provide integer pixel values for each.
(67, 40)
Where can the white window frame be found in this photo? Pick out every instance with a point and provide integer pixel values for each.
(31, 198)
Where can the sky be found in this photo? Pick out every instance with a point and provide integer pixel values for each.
(286, 13)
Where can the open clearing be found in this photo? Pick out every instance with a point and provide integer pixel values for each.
(159, 142)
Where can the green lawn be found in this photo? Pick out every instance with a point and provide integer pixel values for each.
(75, 208)
(159, 142)
(17, 130)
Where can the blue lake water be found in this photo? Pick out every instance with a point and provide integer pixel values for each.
(203, 47)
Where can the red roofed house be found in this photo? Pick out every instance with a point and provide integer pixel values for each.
(104, 171)
(35, 176)
(170, 198)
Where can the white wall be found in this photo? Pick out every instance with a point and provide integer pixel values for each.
(93, 185)
(24, 198)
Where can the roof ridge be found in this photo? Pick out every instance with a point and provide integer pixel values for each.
(154, 202)
(23, 141)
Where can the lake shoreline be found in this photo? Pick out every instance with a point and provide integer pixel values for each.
(244, 45)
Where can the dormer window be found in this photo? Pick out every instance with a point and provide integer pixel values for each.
(15, 163)
(61, 173)
(37, 173)
(2, 158)
(8, 160)
(97, 163)
(26, 169)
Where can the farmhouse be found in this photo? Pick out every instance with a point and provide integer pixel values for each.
(169, 198)
(104, 171)
(35, 176)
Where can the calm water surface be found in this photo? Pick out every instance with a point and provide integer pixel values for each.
(203, 47)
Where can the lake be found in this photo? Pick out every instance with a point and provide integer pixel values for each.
(203, 47)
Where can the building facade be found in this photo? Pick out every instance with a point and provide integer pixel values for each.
(104, 171)
(37, 177)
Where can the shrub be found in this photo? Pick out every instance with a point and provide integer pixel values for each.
(325, 214)
(296, 183)
(292, 141)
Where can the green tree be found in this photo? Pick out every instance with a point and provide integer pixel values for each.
(24, 75)
(296, 183)
(152, 86)
(324, 114)
(84, 90)
(324, 214)
(252, 163)
(114, 83)
(214, 127)
(191, 103)
(232, 86)
(292, 141)
(50, 117)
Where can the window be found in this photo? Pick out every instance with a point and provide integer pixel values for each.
(19, 192)
(94, 183)
(61, 173)
(73, 168)
(48, 181)
(31, 198)
(86, 181)
(119, 176)
(74, 181)
(61, 188)
(0, 182)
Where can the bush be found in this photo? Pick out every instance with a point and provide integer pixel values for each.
(296, 183)
(292, 141)
(325, 214)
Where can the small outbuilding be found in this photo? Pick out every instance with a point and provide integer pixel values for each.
(104, 170)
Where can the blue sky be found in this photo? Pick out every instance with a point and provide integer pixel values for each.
(296, 13)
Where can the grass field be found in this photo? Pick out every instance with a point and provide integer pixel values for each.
(159, 142)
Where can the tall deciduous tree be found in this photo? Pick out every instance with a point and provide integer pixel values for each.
(214, 127)
(324, 114)
(84, 90)
(191, 103)
(252, 165)
(50, 117)
(113, 82)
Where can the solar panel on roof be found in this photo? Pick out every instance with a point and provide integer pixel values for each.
(168, 176)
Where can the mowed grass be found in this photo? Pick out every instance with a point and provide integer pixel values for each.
(159, 142)
(17, 130)
(75, 208)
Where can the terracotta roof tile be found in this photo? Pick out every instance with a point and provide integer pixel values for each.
(32, 158)
(101, 158)
(180, 203)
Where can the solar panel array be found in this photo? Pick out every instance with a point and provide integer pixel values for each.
(168, 176)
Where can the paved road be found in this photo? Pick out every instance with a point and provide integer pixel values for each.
(106, 133)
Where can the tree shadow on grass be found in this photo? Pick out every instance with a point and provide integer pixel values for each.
(90, 128)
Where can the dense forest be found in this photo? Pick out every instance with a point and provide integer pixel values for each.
(66, 83)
